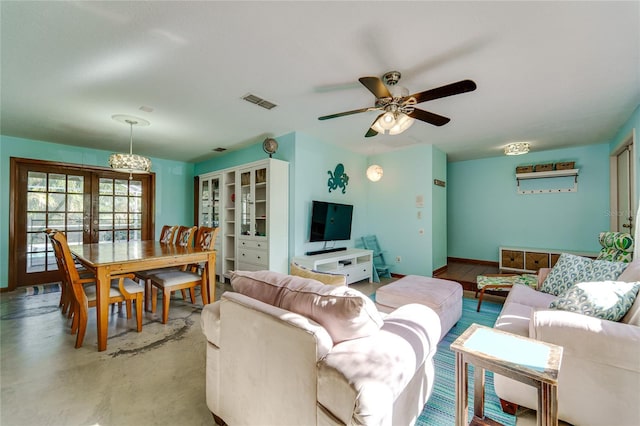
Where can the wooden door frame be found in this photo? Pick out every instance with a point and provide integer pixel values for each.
(629, 140)
(15, 163)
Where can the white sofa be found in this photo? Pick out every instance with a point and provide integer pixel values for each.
(313, 354)
(599, 379)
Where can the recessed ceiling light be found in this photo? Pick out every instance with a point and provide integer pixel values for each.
(219, 149)
(517, 148)
(146, 108)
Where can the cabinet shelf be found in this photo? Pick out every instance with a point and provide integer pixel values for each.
(548, 175)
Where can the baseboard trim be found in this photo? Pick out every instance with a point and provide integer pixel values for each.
(472, 261)
(441, 270)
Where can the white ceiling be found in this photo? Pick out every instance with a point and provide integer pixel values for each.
(555, 74)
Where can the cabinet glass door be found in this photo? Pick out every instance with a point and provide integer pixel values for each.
(246, 201)
(261, 202)
(210, 202)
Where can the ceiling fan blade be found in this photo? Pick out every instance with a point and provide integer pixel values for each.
(429, 117)
(444, 91)
(372, 132)
(375, 86)
(342, 114)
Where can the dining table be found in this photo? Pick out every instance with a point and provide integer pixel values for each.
(121, 257)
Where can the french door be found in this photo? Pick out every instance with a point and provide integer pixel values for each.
(91, 205)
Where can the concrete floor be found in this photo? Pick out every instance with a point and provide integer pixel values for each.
(155, 377)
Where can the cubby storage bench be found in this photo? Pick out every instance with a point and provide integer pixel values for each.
(355, 264)
(530, 260)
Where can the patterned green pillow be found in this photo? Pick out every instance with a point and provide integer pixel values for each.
(608, 300)
(616, 246)
(571, 269)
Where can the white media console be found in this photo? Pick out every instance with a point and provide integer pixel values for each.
(356, 264)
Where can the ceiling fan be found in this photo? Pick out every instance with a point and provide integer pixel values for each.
(398, 107)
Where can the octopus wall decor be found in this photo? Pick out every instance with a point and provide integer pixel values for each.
(338, 179)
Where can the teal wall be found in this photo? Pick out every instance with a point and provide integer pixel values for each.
(394, 215)
(486, 212)
(174, 184)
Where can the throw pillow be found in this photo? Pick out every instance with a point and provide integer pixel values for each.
(568, 270)
(571, 269)
(616, 246)
(608, 300)
(344, 312)
(324, 277)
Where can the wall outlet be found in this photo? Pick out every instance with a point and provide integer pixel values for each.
(398, 259)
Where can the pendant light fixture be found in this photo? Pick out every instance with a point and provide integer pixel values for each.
(374, 173)
(130, 163)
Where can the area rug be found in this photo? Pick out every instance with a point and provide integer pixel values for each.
(440, 409)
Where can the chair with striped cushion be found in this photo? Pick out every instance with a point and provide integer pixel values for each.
(189, 278)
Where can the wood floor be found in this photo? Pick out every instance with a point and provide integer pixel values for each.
(466, 272)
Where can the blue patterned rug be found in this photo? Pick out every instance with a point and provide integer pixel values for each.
(440, 409)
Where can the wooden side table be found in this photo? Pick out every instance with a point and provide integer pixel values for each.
(519, 358)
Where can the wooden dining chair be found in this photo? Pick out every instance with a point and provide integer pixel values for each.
(123, 289)
(167, 236)
(189, 278)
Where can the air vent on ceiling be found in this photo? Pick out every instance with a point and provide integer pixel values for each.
(259, 101)
(219, 149)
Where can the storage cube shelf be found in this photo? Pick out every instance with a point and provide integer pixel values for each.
(530, 260)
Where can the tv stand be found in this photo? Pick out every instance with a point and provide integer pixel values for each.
(323, 251)
(355, 264)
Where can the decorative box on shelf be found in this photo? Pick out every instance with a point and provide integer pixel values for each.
(543, 167)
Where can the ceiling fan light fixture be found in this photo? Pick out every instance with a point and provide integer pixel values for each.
(516, 148)
(402, 123)
(130, 163)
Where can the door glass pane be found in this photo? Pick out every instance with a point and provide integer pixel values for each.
(56, 221)
(121, 187)
(75, 202)
(135, 188)
(106, 186)
(36, 201)
(135, 204)
(105, 236)
(75, 184)
(105, 220)
(36, 222)
(120, 220)
(136, 220)
(56, 202)
(106, 204)
(74, 237)
(135, 235)
(120, 204)
(36, 181)
(74, 222)
(120, 235)
(57, 183)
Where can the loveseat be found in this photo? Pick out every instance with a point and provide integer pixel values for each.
(599, 378)
(288, 350)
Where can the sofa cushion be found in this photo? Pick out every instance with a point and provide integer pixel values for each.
(324, 277)
(521, 302)
(609, 300)
(571, 269)
(632, 274)
(344, 312)
(360, 379)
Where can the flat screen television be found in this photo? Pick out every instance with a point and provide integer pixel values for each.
(330, 221)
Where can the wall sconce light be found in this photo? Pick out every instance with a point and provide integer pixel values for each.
(517, 148)
(374, 173)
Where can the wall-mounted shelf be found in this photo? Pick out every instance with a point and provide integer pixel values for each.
(547, 175)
